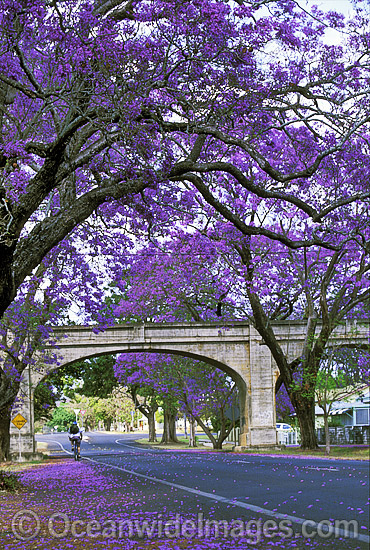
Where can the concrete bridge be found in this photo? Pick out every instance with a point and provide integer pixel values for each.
(237, 349)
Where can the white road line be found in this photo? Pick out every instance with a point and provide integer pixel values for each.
(318, 468)
(60, 445)
(132, 447)
(212, 496)
(238, 503)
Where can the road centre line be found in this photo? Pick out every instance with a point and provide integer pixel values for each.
(219, 498)
(237, 503)
(318, 468)
(132, 447)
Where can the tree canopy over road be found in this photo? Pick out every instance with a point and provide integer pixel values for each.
(242, 124)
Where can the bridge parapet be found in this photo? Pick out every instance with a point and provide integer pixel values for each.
(237, 348)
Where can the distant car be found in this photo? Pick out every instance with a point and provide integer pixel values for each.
(281, 427)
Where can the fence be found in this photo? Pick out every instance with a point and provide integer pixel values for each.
(233, 436)
(345, 435)
(288, 438)
(284, 438)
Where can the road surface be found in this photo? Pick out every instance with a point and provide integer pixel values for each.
(288, 495)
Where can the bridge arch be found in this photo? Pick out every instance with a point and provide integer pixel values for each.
(170, 351)
(236, 348)
(84, 353)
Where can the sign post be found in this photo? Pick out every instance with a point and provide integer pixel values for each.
(76, 411)
(19, 421)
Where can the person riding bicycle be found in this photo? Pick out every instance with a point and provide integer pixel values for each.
(75, 433)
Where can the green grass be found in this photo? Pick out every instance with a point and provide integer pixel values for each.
(353, 453)
(180, 445)
(184, 444)
(8, 473)
(18, 466)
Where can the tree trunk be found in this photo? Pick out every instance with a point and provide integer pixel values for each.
(305, 409)
(107, 425)
(7, 247)
(192, 438)
(218, 443)
(224, 432)
(302, 399)
(148, 409)
(9, 387)
(149, 412)
(151, 423)
(327, 434)
(5, 434)
(169, 428)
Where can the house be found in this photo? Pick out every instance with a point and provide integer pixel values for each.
(353, 409)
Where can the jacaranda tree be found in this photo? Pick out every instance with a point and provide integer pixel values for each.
(59, 287)
(103, 100)
(197, 389)
(221, 272)
(121, 109)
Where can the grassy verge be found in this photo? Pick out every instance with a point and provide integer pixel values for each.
(19, 466)
(184, 444)
(9, 481)
(42, 447)
(353, 452)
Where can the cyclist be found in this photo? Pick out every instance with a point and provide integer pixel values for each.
(75, 432)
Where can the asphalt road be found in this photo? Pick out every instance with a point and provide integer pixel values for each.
(310, 495)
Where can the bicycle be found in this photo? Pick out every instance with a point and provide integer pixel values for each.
(75, 442)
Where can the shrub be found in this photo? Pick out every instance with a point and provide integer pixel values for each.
(9, 482)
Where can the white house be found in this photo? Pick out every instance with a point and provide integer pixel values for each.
(352, 410)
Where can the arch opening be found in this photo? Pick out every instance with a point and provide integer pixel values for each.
(201, 359)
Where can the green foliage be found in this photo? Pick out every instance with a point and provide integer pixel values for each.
(216, 423)
(340, 370)
(93, 377)
(116, 407)
(66, 380)
(98, 376)
(45, 400)
(335, 423)
(62, 418)
(9, 482)
(86, 404)
(91, 386)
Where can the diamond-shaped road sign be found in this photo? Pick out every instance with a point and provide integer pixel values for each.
(19, 421)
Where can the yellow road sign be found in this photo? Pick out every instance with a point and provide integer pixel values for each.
(19, 421)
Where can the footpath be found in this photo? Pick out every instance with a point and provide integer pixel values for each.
(67, 505)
